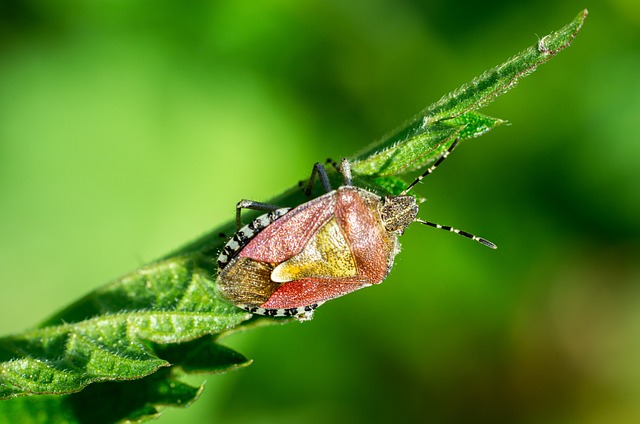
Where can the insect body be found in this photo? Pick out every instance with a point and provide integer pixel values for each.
(289, 261)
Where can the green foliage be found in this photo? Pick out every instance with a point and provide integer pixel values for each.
(118, 353)
(156, 317)
(422, 139)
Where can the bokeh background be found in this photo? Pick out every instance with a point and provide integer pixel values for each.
(130, 128)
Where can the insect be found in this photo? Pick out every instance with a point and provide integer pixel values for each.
(287, 262)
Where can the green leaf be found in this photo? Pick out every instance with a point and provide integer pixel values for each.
(146, 327)
(423, 138)
(106, 335)
(133, 400)
(118, 353)
(109, 402)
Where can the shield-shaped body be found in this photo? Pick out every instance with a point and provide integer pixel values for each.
(320, 250)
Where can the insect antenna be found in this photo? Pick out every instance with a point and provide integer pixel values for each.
(459, 232)
(445, 227)
(432, 167)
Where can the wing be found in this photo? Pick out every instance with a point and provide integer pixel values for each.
(287, 236)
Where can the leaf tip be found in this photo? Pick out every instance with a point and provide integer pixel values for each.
(552, 43)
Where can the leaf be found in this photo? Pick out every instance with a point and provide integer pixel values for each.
(137, 326)
(423, 138)
(108, 402)
(106, 335)
(118, 353)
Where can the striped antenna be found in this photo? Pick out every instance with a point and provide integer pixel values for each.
(432, 167)
(445, 227)
(459, 232)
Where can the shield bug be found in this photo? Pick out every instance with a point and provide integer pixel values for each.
(287, 262)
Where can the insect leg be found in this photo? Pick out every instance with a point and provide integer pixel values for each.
(256, 206)
(318, 169)
(345, 170)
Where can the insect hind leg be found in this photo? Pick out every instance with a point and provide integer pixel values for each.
(253, 205)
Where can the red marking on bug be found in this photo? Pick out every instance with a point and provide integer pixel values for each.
(308, 292)
(288, 235)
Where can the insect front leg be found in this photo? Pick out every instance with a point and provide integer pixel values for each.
(253, 205)
(345, 170)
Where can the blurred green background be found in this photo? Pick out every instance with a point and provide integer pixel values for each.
(130, 128)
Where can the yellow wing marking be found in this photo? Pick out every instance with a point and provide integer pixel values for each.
(326, 255)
